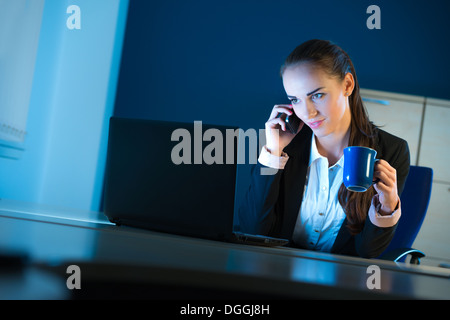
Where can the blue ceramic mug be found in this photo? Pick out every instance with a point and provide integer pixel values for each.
(358, 168)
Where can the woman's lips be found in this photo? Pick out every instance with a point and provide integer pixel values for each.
(315, 124)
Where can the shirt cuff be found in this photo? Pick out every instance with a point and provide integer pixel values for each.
(269, 160)
(383, 221)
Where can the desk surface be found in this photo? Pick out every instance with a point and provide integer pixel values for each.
(107, 254)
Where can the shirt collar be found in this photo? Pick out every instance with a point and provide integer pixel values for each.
(316, 155)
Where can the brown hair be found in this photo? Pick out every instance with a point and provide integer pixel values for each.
(337, 63)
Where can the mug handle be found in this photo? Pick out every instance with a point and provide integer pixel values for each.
(377, 179)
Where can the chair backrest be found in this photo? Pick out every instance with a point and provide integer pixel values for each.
(415, 199)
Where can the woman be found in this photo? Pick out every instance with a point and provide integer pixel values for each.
(306, 200)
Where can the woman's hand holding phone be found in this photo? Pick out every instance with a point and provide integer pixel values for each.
(277, 139)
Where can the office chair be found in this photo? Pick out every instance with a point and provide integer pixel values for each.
(415, 199)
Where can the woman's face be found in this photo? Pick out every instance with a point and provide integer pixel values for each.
(319, 100)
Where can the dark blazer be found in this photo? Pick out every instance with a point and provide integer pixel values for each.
(272, 202)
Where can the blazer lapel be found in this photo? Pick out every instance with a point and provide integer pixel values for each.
(293, 182)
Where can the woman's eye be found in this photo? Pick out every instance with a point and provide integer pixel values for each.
(317, 96)
(294, 101)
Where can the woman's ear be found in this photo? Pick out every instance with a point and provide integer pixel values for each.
(349, 84)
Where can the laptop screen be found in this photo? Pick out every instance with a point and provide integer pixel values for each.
(171, 177)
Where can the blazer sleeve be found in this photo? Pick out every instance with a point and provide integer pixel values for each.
(257, 211)
(401, 165)
(373, 240)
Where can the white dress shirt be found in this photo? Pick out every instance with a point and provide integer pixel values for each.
(321, 216)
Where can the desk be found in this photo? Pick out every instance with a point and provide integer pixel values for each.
(132, 263)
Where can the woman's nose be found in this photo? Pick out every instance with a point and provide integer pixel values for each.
(305, 111)
(311, 111)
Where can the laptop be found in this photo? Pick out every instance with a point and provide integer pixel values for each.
(173, 177)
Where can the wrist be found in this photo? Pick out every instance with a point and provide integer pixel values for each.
(387, 210)
(272, 161)
(274, 151)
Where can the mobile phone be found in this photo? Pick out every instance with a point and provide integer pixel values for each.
(292, 122)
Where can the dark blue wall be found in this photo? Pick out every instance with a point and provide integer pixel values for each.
(218, 61)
